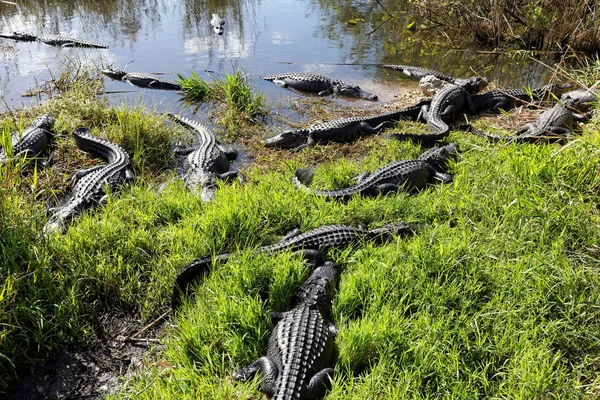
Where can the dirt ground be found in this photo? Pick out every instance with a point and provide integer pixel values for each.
(91, 372)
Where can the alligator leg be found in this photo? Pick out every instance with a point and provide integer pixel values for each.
(129, 175)
(310, 141)
(386, 188)
(470, 104)
(312, 256)
(366, 128)
(325, 92)
(280, 83)
(449, 114)
(442, 177)
(80, 174)
(319, 384)
(333, 330)
(359, 178)
(227, 176)
(423, 114)
(229, 152)
(276, 316)
(266, 367)
(291, 234)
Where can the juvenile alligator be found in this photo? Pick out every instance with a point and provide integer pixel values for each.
(206, 161)
(140, 79)
(506, 99)
(310, 245)
(300, 351)
(554, 125)
(33, 140)
(410, 174)
(445, 106)
(89, 185)
(53, 40)
(419, 72)
(342, 130)
(217, 24)
(321, 84)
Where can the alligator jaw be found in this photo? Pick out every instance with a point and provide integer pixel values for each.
(115, 74)
(24, 37)
(355, 91)
(287, 139)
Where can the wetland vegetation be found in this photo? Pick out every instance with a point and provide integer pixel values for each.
(498, 297)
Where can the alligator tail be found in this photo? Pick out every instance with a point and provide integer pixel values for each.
(190, 274)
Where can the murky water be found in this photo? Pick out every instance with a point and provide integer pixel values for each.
(261, 37)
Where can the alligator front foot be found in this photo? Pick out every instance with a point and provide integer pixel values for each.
(280, 83)
(228, 176)
(442, 177)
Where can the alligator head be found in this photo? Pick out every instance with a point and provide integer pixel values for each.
(437, 156)
(217, 24)
(353, 91)
(113, 73)
(473, 84)
(580, 99)
(21, 36)
(287, 139)
(45, 122)
(319, 289)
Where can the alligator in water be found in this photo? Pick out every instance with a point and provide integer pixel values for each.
(556, 124)
(301, 347)
(419, 72)
(32, 141)
(444, 108)
(321, 84)
(140, 79)
(310, 245)
(343, 129)
(205, 161)
(90, 184)
(409, 174)
(53, 40)
(217, 24)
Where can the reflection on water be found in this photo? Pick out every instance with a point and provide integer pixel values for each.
(174, 36)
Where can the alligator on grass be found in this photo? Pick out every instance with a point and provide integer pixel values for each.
(53, 40)
(343, 129)
(217, 24)
(444, 108)
(32, 141)
(320, 84)
(309, 245)
(141, 79)
(205, 161)
(556, 124)
(299, 359)
(89, 185)
(407, 174)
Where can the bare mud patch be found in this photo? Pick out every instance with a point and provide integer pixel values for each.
(93, 371)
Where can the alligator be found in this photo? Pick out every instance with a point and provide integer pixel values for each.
(89, 185)
(301, 347)
(419, 72)
(343, 129)
(445, 106)
(585, 98)
(32, 141)
(409, 174)
(554, 125)
(217, 24)
(309, 245)
(53, 40)
(205, 161)
(321, 84)
(506, 99)
(140, 79)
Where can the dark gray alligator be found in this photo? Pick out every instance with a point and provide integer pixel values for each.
(321, 84)
(409, 174)
(309, 245)
(205, 161)
(53, 40)
(140, 79)
(301, 347)
(444, 108)
(556, 124)
(32, 141)
(506, 99)
(89, 185)
(419, 72)
(343, 129)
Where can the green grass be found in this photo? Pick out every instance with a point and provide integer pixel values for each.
(498, 298)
